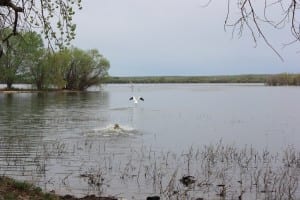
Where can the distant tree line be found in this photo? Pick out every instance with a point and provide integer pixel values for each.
(283, 79)
(28, 61)
(189, 79)
(272, 80)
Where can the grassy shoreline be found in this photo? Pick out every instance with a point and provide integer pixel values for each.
(11, 189)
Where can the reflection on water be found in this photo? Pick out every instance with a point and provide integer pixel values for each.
(69, 141)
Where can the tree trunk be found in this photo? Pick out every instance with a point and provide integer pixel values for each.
(9, 84)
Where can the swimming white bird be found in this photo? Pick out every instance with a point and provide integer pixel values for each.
(135, 100)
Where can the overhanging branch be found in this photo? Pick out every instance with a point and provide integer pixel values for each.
(16, 9)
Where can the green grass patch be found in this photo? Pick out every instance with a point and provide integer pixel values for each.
(11, 189)
(22, 185)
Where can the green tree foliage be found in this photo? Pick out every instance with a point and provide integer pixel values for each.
(40, 70)
(59, 62)
(72, 68)
(52, 17)
(84, 68)
(34, 64)
(23, 49)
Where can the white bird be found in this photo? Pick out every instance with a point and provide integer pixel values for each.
(135, 100)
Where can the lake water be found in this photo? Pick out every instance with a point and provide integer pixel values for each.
(59, 139)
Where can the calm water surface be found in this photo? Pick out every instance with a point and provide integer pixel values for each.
(56, 139)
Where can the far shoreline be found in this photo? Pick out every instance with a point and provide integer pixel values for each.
(283, 79)
(20, 90)
(16, 90)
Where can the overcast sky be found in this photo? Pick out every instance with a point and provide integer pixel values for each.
(175, 37)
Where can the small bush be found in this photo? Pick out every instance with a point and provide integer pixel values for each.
(22, 185)
(10, 196)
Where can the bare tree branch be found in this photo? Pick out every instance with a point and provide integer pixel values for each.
(254, 16)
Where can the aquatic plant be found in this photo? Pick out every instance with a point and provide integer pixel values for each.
(212, 171)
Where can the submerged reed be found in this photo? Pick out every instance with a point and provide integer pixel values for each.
(212, 171)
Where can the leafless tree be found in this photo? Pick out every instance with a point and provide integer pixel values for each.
(254, 16)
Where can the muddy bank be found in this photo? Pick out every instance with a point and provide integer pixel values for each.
(90, 197)
(21, 190)
(11, 91)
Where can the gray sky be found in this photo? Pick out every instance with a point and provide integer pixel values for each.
(175, 37)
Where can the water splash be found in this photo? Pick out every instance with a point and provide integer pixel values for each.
(113, 130)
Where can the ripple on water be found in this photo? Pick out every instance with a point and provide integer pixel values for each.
(113, 130)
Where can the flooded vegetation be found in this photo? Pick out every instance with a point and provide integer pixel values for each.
(99, 143)
(213, 171)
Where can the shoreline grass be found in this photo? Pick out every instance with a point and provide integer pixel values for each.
(11, 189)
(283, 79)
